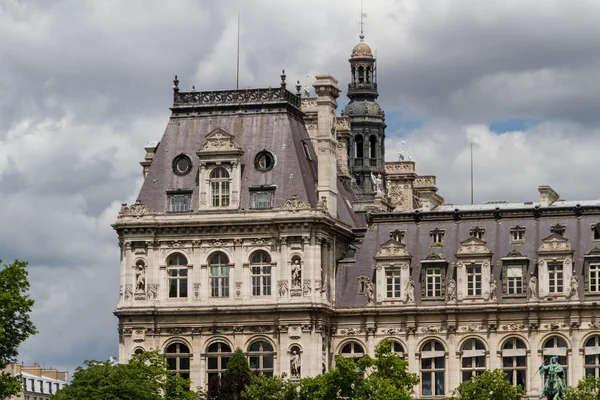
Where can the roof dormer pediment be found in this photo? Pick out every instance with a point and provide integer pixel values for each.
(555, 243)
(392, 249)
(473, 246)
(220, 141)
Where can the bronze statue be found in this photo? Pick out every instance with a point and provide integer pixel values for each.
(553, 376)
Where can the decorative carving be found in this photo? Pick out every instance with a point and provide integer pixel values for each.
(451, 328)
(295, 332)
(554, 325)
(472, 328)
(219, 140)
(196, 290)
(451, 290)
(555, 243)
(574, 287)
(282, 288)
(472, 246)
(370, 290)
(138, 335)
(153, 331)
(296, 273)
(513, 327)
(140, 277)
(306, 288)
(260, 329)
(533, 287)
(295, 363)
(391, 331)
(152, 293)
(431, 329)
(411, 329)
(492, 326)
(392, 249)
(351, 331)
(196, 330)
(175, 331)
(410, 292)
(238, 329)
(137, 210)
(322, 205)
(294, 204)
(128, 291)
(493, 286)
(534, 326)
(245, 96)
(238, 289)
(127, 331)
(575, 324)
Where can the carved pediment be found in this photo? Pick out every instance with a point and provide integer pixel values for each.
(514, 254)
(220, 141)
(434, 257)
(555, 243)
(595, 252)
(392, 248)
(473, 246)
(295, 204)
(138, 209)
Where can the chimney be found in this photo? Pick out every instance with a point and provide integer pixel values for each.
(327, 93)
(150, 152)
(547, 195)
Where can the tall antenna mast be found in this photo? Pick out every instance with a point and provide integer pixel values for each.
(362, 22)
(237, 71)
(471, 173)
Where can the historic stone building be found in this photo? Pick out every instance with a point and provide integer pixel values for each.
(269, 223)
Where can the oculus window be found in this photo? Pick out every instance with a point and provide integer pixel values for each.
(264, 161)
(182, 165)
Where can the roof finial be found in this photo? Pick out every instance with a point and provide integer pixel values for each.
(283, 75)
(362, 22)
(298, 87)
(176, 83)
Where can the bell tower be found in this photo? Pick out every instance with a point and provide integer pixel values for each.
(367, 120)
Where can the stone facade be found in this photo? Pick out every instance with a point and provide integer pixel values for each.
(250, 232)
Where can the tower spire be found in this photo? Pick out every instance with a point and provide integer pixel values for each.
(362, 22)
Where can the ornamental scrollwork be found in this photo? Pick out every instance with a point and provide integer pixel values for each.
(137, 210)
(294, 204)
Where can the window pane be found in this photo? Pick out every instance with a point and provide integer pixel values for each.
(254, 362)
(183, 288)
(267, 362)
(171, 363)
(212, 362)
(184, 363)
(426, 384)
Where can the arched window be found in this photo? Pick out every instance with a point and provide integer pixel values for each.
(219, 275)
(433, 368)
(398, 349)
(353, 350)
(368, 76)
(472, 359)
(361, 74)
(260, 354)
(261, 273)
(353, 69)
(219, 184)
(592, 357)
(373, 146)
(514, 361)
(177, 271)
(178, 359)
(217, 357)
(138, 351)
(556, 346)
(358, 146)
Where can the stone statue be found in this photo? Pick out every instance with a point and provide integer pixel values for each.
(451, 290)
(295, 364)
(370, 292)
(574, 288)
(493, 286)
(533, 287)
(283, 288)
(377, 184)
(140, 278)
(296, 273)
(306, 289)
(410, 291)
(553, 378)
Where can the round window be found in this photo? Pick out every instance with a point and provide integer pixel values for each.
(264, 161)
(182, 164)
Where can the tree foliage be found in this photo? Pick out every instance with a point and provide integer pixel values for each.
(235, 378)
(384, 377)
(586, 389)
(144, 377)
(490, 385)
(15, 323)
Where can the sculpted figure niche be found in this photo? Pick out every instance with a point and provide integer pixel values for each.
(410, 292)
(370, 292)
(296, 273)
(533, 287)
(295, 363)
(140, 277)
(451, 290)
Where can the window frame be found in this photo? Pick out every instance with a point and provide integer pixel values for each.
(425, 270)
(393, 277)
(253, 191)
(181, 278)
(515, 262)
(353, 353)
(474, 369)
(219, 282)
(436, 237)
(477, 232)
(261, 355)
(223, 184)
(434, 370)
(173, 194)
(556, 278)
(595, 365)
(512, 371)
(557, 339)
(475, 291)
(517, 234)
(178, 355)
(261, 280)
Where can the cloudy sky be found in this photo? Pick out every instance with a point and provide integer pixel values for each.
(85, 84)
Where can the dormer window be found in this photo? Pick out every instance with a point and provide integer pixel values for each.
(262, 198)
(517, 234)
(477, 232)
(437, 237)
(558, 229)
(179, 200)
(596, 231)
(219, 186)
(397, 235)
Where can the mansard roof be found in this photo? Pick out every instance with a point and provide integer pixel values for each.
(274, 128)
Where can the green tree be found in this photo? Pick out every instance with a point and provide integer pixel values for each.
(586, 389)
(15, 324)
(263, 387)
(384, 377)
(235, 378)
(490, 385)
(144, 377)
